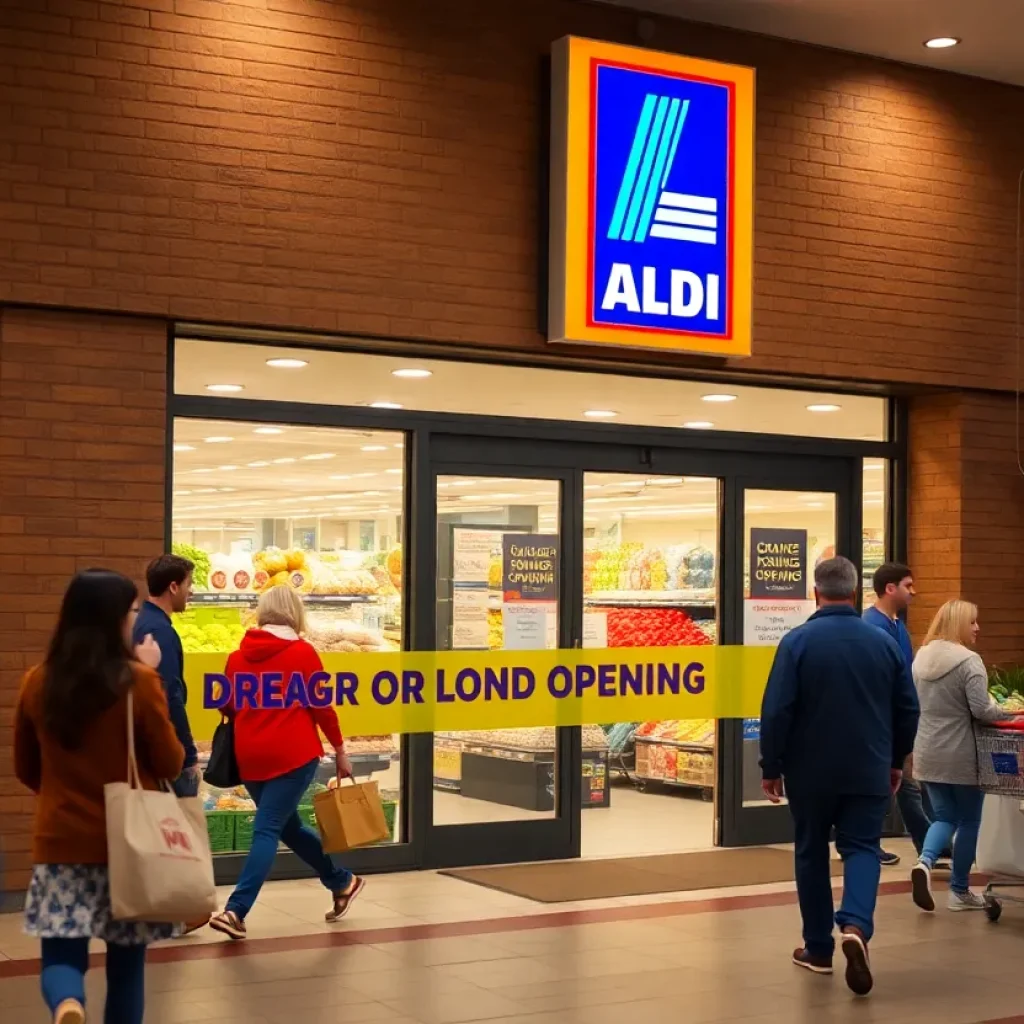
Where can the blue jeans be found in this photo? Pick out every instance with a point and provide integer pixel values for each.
(957, 812)
(911, 800)
(277, 820)
(857, 821)
(65, 962)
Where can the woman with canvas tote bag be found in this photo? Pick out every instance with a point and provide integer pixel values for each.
(71, 740)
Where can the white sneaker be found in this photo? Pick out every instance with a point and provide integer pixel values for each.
(921, 886)
(965, 901)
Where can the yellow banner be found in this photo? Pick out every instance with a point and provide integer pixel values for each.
(450, 691)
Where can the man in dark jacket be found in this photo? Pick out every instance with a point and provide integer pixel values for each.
(839, 718)
(169, 581)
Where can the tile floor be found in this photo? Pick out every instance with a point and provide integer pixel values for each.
(424, 949)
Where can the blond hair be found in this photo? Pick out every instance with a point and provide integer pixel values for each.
(952, 622)
(281, 606)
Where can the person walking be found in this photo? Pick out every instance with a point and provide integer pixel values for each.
(837, 722)
(278, 750)
(893, 584)
(70, 740)
(952, 686)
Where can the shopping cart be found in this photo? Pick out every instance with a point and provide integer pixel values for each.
(1001, 775)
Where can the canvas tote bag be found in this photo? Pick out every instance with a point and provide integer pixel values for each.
(350, 816)
(159, 860)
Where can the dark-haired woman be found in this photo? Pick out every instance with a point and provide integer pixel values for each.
(70, 740)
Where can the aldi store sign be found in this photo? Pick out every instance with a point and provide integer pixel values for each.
(651, 200)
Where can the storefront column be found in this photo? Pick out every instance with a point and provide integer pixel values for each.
(82, 470)
(966, 527)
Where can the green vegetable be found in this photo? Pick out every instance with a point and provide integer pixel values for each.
(200, 559)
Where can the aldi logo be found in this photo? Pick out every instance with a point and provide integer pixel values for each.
(652, 196)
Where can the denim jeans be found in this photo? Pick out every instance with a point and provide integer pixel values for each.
(857, 821)
(957, 811)
(65, 962)
(277, 820)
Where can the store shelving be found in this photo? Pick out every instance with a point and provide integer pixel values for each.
(244, 599)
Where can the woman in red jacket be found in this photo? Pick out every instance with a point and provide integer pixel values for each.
(278, 750)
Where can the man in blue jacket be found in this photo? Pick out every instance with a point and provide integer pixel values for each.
(838, 720)
(169, 581)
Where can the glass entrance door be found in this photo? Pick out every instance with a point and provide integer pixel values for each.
(784, 527)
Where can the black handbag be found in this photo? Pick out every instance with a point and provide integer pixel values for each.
(222, 769)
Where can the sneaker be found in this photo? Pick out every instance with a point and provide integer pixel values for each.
(889, 860)
(965, 901)
(921, 886)
(343, 900)
(228, 923)
(814, 964)
(70, 1011)
(858, 966)
(942, 865)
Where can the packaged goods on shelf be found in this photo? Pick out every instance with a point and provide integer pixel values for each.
(334, 633)
(698, 731)
(356, 745)
(536, 738)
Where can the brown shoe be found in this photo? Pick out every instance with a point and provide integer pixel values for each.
(814, 964)
(858, 966)
(343, 900)
(228, 923)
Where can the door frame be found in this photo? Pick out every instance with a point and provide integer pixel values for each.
(766, 824)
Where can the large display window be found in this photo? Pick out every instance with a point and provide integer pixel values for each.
(258, 506)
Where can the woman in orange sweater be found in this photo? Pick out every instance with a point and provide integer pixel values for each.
(70, 740)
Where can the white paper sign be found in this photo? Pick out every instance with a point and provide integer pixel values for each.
(595, 629)
(471, 554)
(469, 618)
(766, 622)
(526, 626)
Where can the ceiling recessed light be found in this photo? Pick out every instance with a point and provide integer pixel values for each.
(941, 42)
(227, 469)
(318, 457)
(374, 448)
(287, 364)
(282, 462)
(412, 374)
(202, 470)
(718, 398)
(824, 407)
(600, 414)
(699, 425)
(218, 440)
(225, 388)
(184, 448)
(269, 431)
(393, 472)
(257, 465)
(385, 405)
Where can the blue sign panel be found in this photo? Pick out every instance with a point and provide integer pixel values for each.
(661, 202)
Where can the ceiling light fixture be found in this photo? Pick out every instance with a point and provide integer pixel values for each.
(600, 414)
(282, 462)
(225, 388)
(722, 398)
(184, 448)
(385, 405)
(412, 374)
(698, 425)
(318, 457)
(268, 431)
(824, 407)
(374, 448)
(287, 364)
(257, 465)
(218, 440)
(941, 42)
(227, 469)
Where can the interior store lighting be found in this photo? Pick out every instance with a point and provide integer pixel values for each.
(225, 388)
(699, 425)
(412, 373)
(287, 364)
(824, 407)
(218, 440)
(184, 448)
(720, 398)
(385, 405)
(941, 42)
(600, 414)
(268, 431)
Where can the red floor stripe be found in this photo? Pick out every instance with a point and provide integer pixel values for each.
(407, 933)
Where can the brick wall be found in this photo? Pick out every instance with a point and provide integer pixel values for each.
(966, 522)
(372, 166)
(82, 456)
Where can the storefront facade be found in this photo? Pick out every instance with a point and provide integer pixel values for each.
(360, 190)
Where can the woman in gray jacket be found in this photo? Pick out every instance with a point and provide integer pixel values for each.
(952, 685)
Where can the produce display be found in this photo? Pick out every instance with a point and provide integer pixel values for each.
(632, 567)
(698, 731)
(674, 766)
(209, 638)
(495, 630)
(652, 627)
(536, 738)
(332, 633)
(1007, 686)
(200, 559)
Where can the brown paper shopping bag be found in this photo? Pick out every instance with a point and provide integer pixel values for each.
(159, 858)
(350, 816)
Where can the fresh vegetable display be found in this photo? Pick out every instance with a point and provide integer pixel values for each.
(652, 627)
(200, 559)
(1007, 686)
(209, 638)
(631, 566)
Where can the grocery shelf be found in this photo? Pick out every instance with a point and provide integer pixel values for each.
(705, 748)
(247, 599)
